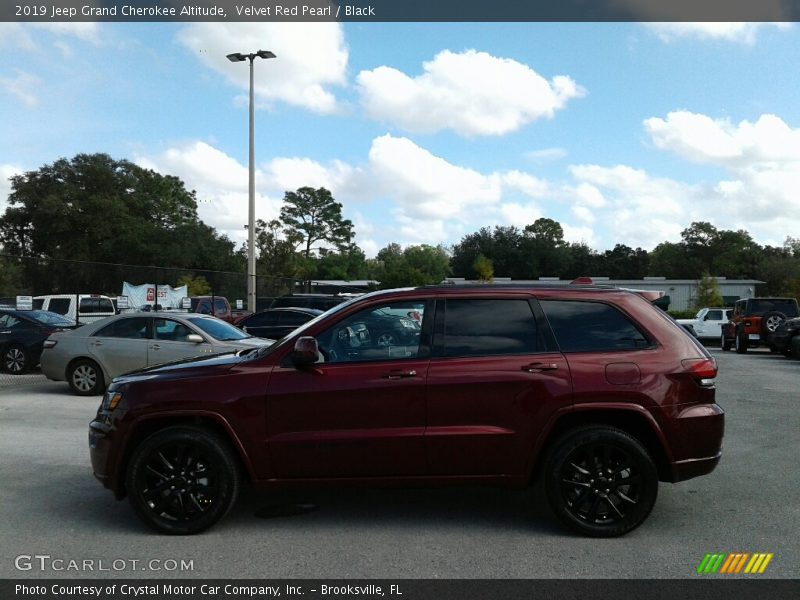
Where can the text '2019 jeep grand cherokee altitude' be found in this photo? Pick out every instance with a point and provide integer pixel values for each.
(592, 389)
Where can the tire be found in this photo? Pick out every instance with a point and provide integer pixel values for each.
(386, 338)
(770, 322)
(16, 360)
(85, 378)
(182, 480)
(741, 342)
(600, 481)
(725, 343)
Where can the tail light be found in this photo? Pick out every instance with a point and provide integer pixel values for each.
(704, 370)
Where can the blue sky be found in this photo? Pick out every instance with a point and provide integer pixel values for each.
(624, 133)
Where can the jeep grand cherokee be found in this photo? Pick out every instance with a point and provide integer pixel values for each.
(592, 390)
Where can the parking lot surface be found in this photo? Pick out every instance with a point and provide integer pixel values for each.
(50, 505)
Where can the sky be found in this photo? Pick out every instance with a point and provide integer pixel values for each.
(625, 133)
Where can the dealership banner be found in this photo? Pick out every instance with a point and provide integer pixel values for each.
(149, 294)
(399, 589)
(45, 11)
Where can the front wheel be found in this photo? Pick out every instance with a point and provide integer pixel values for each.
(85, 377)
(600, 481)
(182, 480)
(741, 342)
(725, 343)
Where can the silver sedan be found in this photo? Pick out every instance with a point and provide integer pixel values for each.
(91, 356)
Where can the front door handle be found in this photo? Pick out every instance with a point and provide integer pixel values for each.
(155, 347)
(539, 367)
(399, 374)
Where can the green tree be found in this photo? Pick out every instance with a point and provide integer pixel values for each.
(707, 293)
(195, 285)
(313, 216)
(93, 208)
(412, 266)
(544, 250)
(483, 268)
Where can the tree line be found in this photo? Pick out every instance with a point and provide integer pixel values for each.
(94, 210)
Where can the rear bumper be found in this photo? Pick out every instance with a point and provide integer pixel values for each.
(696, 439)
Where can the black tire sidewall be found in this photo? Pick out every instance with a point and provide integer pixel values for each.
(562, 449)
(223, 461)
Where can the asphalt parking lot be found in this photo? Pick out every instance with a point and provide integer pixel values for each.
(51, 505)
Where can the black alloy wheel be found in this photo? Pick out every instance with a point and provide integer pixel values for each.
(16, 360)
(601, 481)
(182, 480)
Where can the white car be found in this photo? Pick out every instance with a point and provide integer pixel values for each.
(707, 323)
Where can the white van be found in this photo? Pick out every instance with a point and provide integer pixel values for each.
(91, 307)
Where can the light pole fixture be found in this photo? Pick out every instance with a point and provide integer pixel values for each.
(251, 217)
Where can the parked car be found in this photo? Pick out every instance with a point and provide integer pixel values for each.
(781, 338)
(22, 334)
(276, 322)
(217, 306)
(321, 302)
(89, 357)
(82, 308)
(592, 389)
(754, 320)
(707, 323)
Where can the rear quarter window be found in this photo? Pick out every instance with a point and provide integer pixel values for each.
(585, 326)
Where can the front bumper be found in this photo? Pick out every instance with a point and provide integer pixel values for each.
(101, 452)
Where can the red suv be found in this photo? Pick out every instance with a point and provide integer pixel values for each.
(594, 390)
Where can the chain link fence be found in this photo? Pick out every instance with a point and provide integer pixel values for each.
(39, 277)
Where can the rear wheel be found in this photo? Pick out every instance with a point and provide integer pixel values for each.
(600, 481)
(16, 359)
(182, 480)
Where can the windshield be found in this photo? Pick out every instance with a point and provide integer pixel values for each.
(219, 330)
(50, 318)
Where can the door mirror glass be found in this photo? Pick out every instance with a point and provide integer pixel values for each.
(305, 351)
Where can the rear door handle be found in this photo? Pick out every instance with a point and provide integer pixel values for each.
(398, 374)
(155, 347)
(97, 343)
(539, 367)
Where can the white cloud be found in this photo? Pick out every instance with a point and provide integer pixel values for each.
(744, 33)
(23, 87)
(472, 93)
(6, 172)
(311, 58)
(221, 184)
(546, 155)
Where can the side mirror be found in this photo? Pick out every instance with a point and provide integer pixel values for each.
(306, 351)
(194, 338)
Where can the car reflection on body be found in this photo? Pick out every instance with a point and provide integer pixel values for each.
(90, 357)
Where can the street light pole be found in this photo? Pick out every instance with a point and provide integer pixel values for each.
(251, 213)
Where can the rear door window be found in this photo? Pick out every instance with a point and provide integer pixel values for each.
(132, 328)
(487, 327)
(581, 326)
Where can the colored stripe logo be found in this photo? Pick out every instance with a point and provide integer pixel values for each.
(735, 563)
